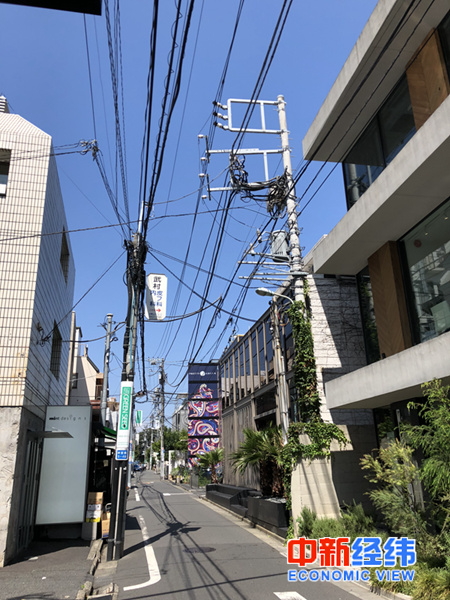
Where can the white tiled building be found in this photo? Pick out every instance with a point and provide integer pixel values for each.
(36, 294)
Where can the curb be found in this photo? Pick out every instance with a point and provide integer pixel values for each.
(94, 556)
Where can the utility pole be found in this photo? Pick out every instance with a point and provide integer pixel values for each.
(136, 252)
(105, 388)
(291, 204)
(288, 199)
(280, 366)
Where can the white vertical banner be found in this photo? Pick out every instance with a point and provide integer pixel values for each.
(156, 297)
(124, 422)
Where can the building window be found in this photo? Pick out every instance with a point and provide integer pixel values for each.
(262, 356)
(363, 164)
(444, 36)
(255, 361)
(5, 158)
(65, 255)
(74, 383)
(382, 140)
(269, 350)
(55, 360)
(427, 254)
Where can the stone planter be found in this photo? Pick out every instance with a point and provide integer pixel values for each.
(270, 513)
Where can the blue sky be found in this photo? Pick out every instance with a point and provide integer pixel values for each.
(45, 76)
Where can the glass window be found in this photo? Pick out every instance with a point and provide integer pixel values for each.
(55, 359)
(255, 361)
(382, 140)
(236, 373)
(65, 255)
(363, 164)
(5, 157)
(444, 35)
(262, 357)
(269, 350)
(248, 383)
(396, 121)
(427, 252)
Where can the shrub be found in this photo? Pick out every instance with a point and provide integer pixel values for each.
(356, 523)
(305, 522)
(327, 527)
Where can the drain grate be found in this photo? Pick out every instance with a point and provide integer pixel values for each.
(199, 549)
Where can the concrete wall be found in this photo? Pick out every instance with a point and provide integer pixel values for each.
(14, 435)
(234, 421)
(325, 485)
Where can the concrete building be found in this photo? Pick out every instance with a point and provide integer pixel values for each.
(36, 294)
(387, 120)
(180, 414)
(252, 379)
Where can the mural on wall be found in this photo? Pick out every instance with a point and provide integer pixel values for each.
(203, 410)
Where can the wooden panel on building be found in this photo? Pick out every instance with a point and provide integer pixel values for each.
(394, 334)
(428, 81)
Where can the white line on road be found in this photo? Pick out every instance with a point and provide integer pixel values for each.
(174, 494)
(136, 495)
(289, 596)
(152, 565)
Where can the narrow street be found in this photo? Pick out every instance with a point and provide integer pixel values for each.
(179, 546)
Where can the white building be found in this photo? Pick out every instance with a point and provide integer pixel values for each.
(84, 387)
(387, 119)
(36, 293)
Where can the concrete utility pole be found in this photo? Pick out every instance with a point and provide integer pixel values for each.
(291, 204)
(295, 256)
(136, 252)
(105, 388)
(280, 372)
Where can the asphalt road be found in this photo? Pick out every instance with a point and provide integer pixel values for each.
(180, 547)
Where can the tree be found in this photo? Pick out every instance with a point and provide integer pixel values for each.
(262, 449)
(394, 471)
(210, 460)
(173, 439)
(433, 438)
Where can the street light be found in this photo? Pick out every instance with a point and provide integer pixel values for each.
(283, 389)
(265, 292)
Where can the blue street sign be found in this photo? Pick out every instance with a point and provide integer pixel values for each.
(121, 454)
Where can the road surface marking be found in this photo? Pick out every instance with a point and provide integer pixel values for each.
(289, 596)
(174, 494)
(136, 495)
(152, 565)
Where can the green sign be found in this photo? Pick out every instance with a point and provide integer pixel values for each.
(125, 408)
(123, 426)
(138, 417)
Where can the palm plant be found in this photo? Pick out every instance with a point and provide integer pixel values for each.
(262, 449)
(210, 460)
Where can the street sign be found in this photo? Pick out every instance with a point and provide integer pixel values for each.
(156, 297)
(123, 425)
(138, 417)
(121, 454)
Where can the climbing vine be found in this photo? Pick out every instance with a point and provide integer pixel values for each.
(305, 375)
(320, 435)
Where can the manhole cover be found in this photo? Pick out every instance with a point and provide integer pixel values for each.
(203, 549)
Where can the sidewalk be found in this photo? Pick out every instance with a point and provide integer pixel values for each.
(51, 570)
